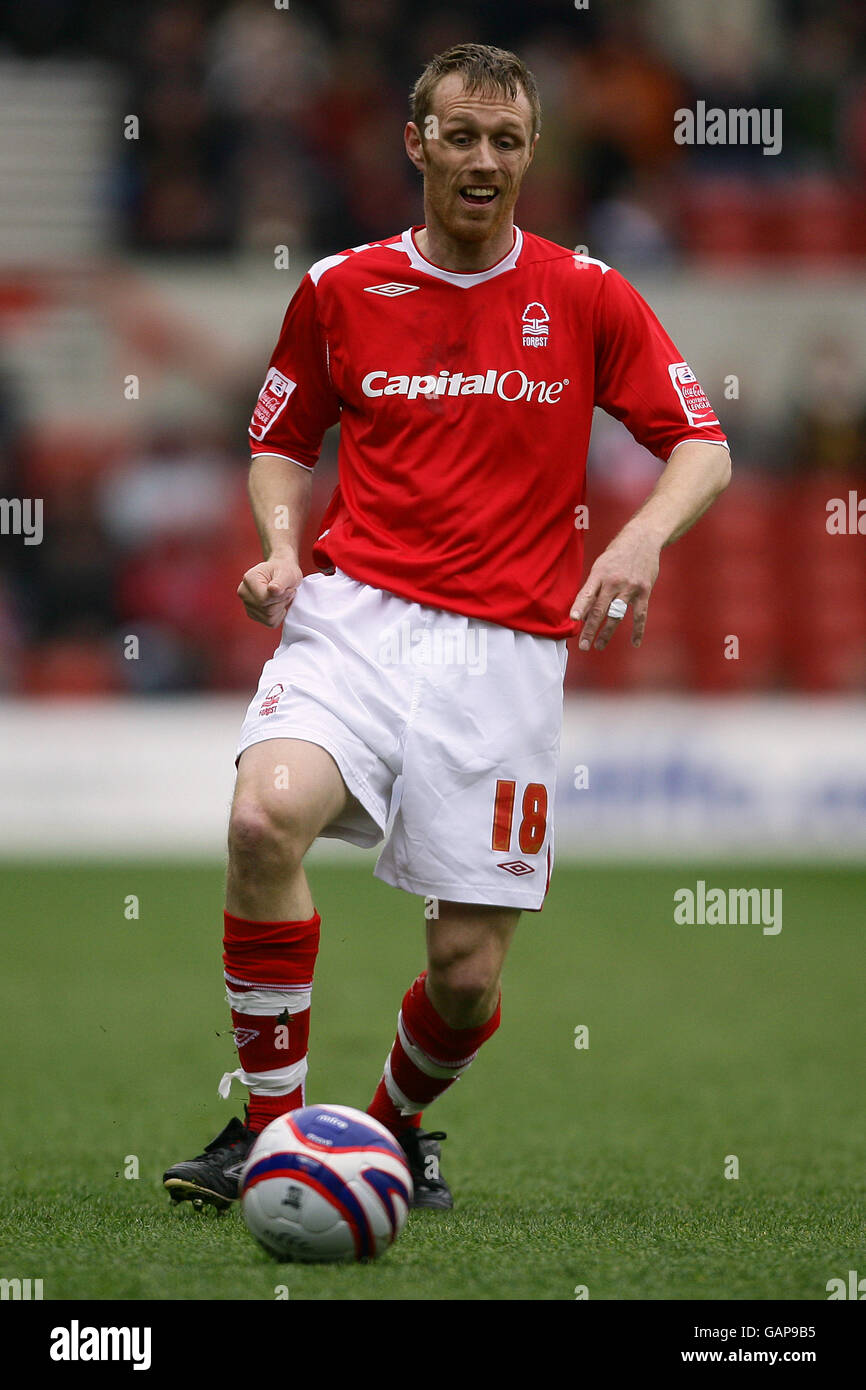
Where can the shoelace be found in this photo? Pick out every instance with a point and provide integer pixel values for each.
(418, 1143)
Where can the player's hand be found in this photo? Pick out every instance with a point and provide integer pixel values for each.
(628, 569)
(267, 590)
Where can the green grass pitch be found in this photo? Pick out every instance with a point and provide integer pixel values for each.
(601, 1167)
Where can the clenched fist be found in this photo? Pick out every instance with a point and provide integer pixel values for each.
(267, 590)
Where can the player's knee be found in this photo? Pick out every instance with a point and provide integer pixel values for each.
(261, 836)
(467, 984)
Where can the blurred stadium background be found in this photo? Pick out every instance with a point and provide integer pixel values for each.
(255, 128)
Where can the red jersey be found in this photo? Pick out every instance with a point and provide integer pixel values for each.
(465, 404)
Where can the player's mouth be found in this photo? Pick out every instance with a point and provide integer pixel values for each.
(478, 195)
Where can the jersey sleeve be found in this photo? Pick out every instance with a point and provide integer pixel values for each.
(297, 402)
(641, 377)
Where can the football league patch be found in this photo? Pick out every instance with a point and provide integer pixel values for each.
(696, 407)
(272, 400)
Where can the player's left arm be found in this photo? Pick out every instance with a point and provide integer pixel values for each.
(694, 476)
(642, 380)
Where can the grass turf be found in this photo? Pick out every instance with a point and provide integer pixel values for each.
(600, 1167)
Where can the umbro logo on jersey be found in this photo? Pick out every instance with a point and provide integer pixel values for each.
(391, 290)
(516, 867)
(535, 325)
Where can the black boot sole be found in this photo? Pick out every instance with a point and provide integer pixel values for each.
(182, 1190)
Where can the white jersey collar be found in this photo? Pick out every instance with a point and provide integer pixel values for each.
(455, 277)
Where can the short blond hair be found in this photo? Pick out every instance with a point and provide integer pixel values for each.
(489, 71)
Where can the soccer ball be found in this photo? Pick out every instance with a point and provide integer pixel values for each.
(325, 1183)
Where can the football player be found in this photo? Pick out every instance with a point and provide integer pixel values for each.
(416, 695)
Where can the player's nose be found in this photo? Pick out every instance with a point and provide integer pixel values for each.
(485, 161)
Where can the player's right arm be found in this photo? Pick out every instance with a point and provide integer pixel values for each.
(296, 404)
(280, 499)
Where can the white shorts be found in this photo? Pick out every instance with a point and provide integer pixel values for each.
(445, 729)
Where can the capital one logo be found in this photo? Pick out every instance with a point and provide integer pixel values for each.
(512, 385)
(535, 325)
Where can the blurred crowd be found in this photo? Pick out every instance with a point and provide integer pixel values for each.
(263, 121)
(262, 124)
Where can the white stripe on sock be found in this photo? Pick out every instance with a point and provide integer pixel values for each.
(263, 1002)
(425, 1063)
(401, 1102)
(259, 984)
(266, 1083)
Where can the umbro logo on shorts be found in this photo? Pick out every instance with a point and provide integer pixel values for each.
(516, 867)
(391, 290)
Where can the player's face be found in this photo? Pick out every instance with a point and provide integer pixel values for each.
(473, 160)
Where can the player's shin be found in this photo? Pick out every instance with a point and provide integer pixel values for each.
(427, 1057)
(269, 976)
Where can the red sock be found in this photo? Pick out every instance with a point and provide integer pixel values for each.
(269, 977)
(427, 1057)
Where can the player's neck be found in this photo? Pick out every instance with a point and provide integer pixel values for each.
(466, 257)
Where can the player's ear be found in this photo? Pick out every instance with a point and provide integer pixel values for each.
(414, 145)
(533, 142)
